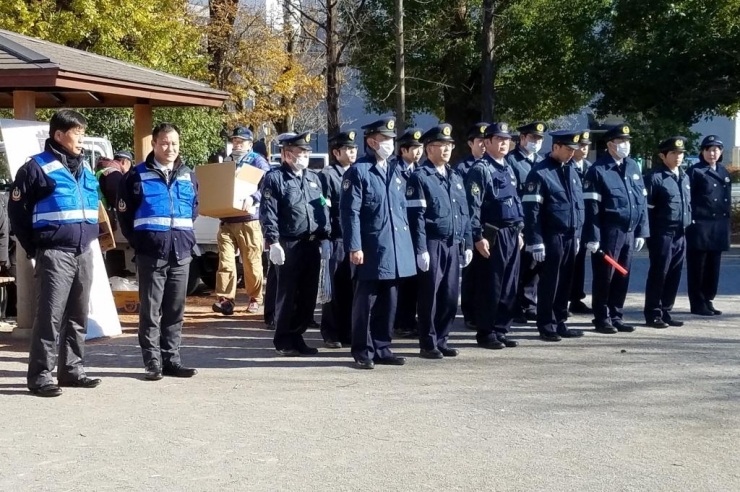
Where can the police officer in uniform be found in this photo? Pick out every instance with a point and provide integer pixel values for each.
(553, 218)
(467, 285)
(411, 150)
(157, 205)
(53, 211)
(496, 217)
(440, 230)
(376, 232)
(577, 292)
(616, 223)
(669, 212)
(336, 316)
(522, 159)
(295, 218)
(709, 233)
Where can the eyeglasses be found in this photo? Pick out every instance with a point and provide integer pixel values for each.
(443, 145)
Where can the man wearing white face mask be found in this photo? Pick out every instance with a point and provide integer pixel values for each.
(376, 233)
(295, 219)
(521, 160)
(616, 223)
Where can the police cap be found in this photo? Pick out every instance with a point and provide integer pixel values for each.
(569, 138)
(712, 141)
(677, 143)
(344, 139)
(500, 129)
(439, 133)
(621, 130)
(242, 132)
(410, 138)
(302, 140)
(534, 128)
(586, 137)
(478, 130)
(384, 126)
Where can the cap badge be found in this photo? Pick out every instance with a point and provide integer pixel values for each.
(391, 124)
(308, 138)
(351, 135)
(504, 127)
(540, 127)
(585, 135)
(417, 135)
(482, 129)
(446, 131)
(679, 143)
(576, 138)
(626, 130)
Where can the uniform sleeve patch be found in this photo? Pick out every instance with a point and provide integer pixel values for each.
(586, 184)
(121, 205)
(410, 191)
(16, 195)
(345, 184)
(474, 190)
(267, 194)
(531, 186)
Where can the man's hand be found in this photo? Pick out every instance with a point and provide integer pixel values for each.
(521, 241)
(277, 254)
(538, 252)
(592, 247)
(639, 243)
(356, 257)
(483, 248)
(468, 257)
(247, 204)
(422, 261)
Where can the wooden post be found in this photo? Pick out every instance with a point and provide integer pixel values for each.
(24, 108)
(142, 131)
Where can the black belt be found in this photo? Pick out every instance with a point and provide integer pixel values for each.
(302, 237)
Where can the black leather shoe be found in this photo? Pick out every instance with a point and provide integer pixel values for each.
(579, 307)
(549, 336)
(393, 360)
(47, 391)
(153, 372)
(703, 311)
(623, 327)
(306, 350)
(364, 364)
(333, 345)
(605, 327)
(431, 354)
(570, 333)
(179, 371)
(85, 382)
(507, 343)
(471, 326)
(449, 352)
(657, 323)
(223, 306)
(531, 315)
(714, 311)
(673, 322)
(491, 344)
(288, 352)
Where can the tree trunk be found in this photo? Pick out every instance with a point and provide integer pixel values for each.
(487, 63)
(400, 71)
(223, 16)
(332, 69)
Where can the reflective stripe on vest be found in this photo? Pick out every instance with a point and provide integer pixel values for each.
(73, 200)
(164, 206)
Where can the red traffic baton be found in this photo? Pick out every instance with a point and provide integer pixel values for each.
(612, 262)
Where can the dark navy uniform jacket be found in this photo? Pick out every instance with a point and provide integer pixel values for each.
(615, 198)
(373, 215)
(331, 185)
(31, 185)
(552, 201)
(437, 208)
(492, 196)
(668, 201)
(292, 206)
(711, 206)
(463, 167)
(521, 165)
(159, 245)
(586, 165)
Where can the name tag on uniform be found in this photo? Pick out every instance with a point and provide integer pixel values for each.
(635, 177)
(312, 185)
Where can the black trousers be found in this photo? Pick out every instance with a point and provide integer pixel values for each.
(408, 289)
(609, 289)
(336, 316)
(702, 270)
(270, 294)
(63, 281)
(554, 286)
(664, 276)
(163, 289)
(439, 288)
(297, 286)
(373, 312)
(577, 285)
(529, 277)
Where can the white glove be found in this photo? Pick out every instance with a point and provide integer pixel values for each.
(468, 257)
(422, 261)
(538, 252)
(247, 203)
(578, 245)
(639, 243)
(277, 254)
(592, 247)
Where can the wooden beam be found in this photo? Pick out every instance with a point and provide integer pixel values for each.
(24, 105)
(142, 131)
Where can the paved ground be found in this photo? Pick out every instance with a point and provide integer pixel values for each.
(653, 410)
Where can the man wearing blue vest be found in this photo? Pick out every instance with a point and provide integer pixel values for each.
(53, 211)
(157, 204)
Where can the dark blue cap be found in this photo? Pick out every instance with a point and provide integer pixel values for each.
(712, 141)
(123, 154)
(569, 138)
(674, 143)
(384, 126)
(585, 137)
(534, 128)
(439, 133)
(344, 139)
(411, 138)
(301, 140)
(499, 129)
(478, 130)
(242, 132)
(621, 130)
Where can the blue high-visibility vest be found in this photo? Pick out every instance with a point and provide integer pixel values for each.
(73, 200)
(164, 207)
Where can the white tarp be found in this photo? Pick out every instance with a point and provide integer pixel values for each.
(22, 140)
